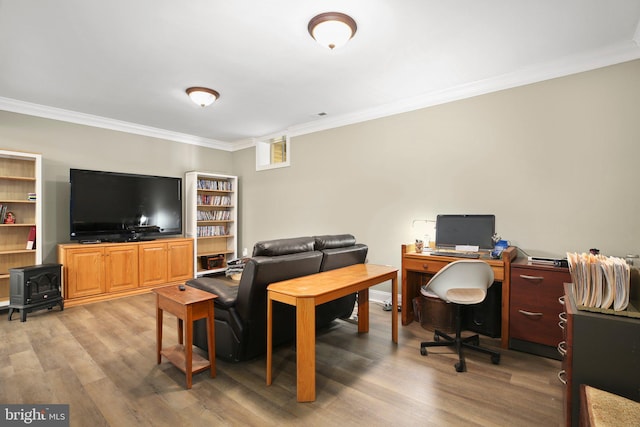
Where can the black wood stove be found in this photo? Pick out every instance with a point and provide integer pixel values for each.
(34, 288)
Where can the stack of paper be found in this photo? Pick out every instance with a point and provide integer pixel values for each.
(600, 281)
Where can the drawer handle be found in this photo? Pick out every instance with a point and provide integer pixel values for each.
(563, 317)
(529, 313)
(561, 300)
(562, 348)
(524, 276)
(562, 376)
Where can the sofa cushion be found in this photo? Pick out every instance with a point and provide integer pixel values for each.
(343, 257)
(332, 241)
(284, 246)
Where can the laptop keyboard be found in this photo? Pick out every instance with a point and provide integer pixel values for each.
(473, 255)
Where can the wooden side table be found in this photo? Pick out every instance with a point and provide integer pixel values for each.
(188, 305)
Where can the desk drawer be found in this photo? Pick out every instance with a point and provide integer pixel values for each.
(433, 264)
(425, 265)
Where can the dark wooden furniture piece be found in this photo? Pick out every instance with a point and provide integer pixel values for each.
(34, 288)
(534, 308)
(417, 269)
(306, 292)
(600, 350)
(187, 305)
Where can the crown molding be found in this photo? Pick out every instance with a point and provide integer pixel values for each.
(16, 106)
(611, 55)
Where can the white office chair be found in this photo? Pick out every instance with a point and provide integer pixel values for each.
(461, 283)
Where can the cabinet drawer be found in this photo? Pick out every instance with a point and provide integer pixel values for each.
(534, 306)
(535, 325)
(538, 289)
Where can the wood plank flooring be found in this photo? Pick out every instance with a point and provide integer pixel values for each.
(100, 359)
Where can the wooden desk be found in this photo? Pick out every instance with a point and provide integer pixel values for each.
(415, 266)
(306, 292)
(188, 305)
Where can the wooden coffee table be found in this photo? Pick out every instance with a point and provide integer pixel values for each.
(188, 305)
(306, 292)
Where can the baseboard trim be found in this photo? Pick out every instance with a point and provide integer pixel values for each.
(382, 296)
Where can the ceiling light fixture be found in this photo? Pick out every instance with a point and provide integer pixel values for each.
(202, 96)
(332, 29)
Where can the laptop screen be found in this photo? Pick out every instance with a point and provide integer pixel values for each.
(473, 230)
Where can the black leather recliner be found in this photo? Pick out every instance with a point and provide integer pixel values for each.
(240, 310)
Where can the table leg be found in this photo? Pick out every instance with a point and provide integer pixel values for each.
(269, 336)
(211, 338)
(394, 313)
(306, 349)
(180, 331)
(188, 346)
(363, 310)
(158, 329)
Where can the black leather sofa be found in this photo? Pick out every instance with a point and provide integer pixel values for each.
(241, 310)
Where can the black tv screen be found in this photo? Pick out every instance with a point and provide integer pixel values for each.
(112, 206)
(472, 230)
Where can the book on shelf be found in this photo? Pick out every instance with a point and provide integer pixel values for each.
(31, 240)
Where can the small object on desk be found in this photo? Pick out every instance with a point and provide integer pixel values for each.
(419, 246)
(181, 287)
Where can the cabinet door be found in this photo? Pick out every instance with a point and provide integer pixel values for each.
(84, 272)
(180, 263)
(121, 267)
(152, 264)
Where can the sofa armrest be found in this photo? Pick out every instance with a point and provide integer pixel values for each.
(227, 293)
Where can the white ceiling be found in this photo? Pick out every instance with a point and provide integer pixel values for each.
(125, 64)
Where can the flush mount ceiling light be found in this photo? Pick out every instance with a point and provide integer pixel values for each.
(332, 29)
(202, 96)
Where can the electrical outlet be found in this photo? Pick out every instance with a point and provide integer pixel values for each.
(244, 252)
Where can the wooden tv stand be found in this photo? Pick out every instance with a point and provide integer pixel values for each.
(102, 271)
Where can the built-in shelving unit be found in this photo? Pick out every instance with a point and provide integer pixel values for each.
(20, 182)
(212, 219)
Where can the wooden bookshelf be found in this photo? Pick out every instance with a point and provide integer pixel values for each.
(20, 174)
(211, 219)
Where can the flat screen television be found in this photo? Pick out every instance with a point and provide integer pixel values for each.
(472, 230)
(112, 206)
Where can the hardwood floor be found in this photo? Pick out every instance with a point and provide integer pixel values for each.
(100, 359)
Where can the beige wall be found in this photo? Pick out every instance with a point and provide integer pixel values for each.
(65, 145)
(556, 162)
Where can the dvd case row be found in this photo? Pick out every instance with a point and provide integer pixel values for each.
(214, 215)
(212, 230)
(206, 199)
(215, 185)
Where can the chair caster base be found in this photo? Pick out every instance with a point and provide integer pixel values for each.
(495, 359)
(460, 367)
(423, 351)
